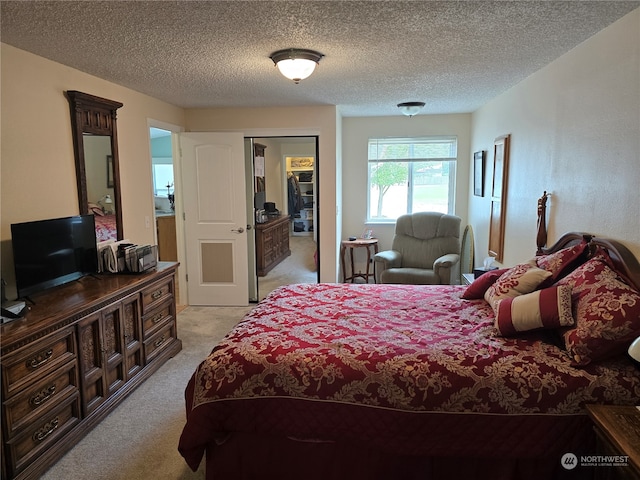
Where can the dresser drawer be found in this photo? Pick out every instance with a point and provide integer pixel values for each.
(157, 318)
(157, 294)
(28, 365)
(161, 341)
(40, 435)
(43, 396)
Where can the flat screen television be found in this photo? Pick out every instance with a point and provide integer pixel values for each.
(48, 253)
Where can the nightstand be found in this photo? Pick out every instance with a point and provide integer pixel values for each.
(368, 243)
(618, 433)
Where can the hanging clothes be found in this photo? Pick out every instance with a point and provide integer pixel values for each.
(296, 202)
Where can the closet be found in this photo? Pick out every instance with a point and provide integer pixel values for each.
(302, 194)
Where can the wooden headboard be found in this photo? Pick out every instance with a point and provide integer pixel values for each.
(625, 262)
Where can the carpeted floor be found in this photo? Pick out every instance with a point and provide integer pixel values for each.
(139, 439)
(299, 267)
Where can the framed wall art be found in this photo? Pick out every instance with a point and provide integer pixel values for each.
(110, 182)
(499, 196)
(478, 173)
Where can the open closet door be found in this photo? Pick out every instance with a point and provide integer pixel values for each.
(214, 199)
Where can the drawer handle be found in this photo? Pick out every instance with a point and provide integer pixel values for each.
(157, 317)
(46, 430)
(161, 341)
(43, 396)
(156, 295)
(40, 359)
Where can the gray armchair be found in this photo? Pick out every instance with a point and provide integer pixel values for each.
(425, 250)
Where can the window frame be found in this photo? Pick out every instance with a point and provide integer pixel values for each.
(451, 140)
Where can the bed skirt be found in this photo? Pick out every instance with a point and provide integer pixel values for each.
(250, 456)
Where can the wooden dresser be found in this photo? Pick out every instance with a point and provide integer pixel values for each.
(81, 349)
(618, 434)
(272, 244)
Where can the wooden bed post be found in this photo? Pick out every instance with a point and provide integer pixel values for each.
(541, 236)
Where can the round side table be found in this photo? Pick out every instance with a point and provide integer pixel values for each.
(369, 244)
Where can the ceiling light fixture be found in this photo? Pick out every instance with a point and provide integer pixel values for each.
(410, 108)
(296, 63)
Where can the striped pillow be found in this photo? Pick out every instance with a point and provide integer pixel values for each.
(542, 309)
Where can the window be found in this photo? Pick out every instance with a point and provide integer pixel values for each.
(162, 176)
(409, 175)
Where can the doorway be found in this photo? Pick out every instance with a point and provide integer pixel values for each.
(299, 267)
(162, 170)
(270, 164)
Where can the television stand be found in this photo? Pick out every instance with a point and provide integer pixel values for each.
(76, 354)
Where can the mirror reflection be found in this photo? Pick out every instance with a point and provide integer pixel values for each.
(99, 174)
(95, 144)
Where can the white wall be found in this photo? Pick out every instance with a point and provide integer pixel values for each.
(356, 133)
(575, 132)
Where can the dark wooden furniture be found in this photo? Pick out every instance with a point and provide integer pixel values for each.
(359, 243)
(272, 243)
(81, 349)
(618, 433)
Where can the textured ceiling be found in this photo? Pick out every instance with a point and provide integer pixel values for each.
(454, 56)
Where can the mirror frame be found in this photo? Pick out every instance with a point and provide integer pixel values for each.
(97, 116)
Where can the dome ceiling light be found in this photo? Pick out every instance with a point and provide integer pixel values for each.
(410, 108)
(296, 63)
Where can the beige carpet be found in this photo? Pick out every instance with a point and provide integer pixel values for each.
(139, 439)
(299, 267)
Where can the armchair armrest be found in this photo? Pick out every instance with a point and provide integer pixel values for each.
(384, 260)
(446, 261)
(442, 267)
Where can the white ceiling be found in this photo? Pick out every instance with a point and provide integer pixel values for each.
(454, 56)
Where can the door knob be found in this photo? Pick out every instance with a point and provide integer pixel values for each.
(238, 230)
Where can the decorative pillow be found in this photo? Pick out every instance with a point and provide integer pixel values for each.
(479, 286)
(547, 308)
(521, 279)
(606, 311)
(563, 261)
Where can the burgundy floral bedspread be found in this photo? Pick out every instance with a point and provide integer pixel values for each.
(400, 348)
(106, 227)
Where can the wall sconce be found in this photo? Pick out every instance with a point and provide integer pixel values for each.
(296, 63)
(410, 108)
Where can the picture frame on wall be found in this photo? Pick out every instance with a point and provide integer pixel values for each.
(110, 182)
(478, 173)
(499, 196)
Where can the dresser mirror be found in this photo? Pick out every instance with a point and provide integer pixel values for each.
(95, 145)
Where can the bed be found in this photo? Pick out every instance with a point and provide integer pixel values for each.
(331, 381)
(106, 228)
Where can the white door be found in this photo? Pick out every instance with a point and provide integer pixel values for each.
(215, 222)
